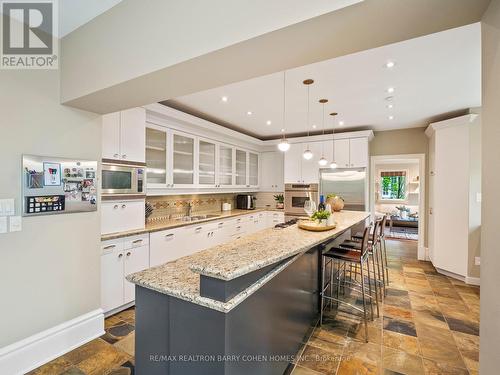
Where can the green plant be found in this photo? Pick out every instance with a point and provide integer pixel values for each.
(280, 198)
(320, 215)
(333, 195)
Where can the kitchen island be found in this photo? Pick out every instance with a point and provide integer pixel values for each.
(238, 308)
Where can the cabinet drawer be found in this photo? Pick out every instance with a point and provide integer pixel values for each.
(136, 241)
(111, 245)
(166, 246)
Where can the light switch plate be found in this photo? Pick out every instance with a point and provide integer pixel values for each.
(15, 224)
(3, 224)
(7, 207)
(478, 197)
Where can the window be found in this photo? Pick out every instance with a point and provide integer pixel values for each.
(393, 185)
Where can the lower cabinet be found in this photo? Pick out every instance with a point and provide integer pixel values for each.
(121, 216)
(274, 218)
(119, 258)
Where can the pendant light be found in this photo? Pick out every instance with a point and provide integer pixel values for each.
(284, 145)
(322, 161)
(333, 165)
(308, 153)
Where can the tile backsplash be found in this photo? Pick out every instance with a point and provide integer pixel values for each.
(172, 206)
(265, 199)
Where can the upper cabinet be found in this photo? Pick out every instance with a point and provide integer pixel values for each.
(123, 135)
(180, 161)
(271, 171)
(347, 153)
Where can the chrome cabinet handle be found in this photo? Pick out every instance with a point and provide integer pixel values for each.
(124, 205)
(124, 156)
(109, 247)
(120, 255)
(170, 235)
(115, 155)
(137, 241)
(221, 224)
(128, 253)
(238, 227)
(115, 206)
(198, 229)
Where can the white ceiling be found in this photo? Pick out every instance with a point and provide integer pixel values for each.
(75, 13)
(433, 75)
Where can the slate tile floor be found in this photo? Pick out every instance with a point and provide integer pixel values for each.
(429, 324)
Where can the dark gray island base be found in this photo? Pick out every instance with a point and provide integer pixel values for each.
(259, 336)
(243, 307)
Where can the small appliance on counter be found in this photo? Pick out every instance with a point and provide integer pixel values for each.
(226, 206)
(53, 185)
(245, 202)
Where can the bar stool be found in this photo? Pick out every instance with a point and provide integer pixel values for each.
(383, 247)
(376, 258)
(347, 256)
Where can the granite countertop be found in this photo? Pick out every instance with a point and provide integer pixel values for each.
(181, 278)
(160, 225)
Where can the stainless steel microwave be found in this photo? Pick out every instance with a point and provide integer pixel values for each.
(122, 179)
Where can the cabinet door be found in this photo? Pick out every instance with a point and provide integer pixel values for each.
(156, 157)
(120, 216)
(271, 171)
(111, 136)
(342, 157)
(206, 163)
(310, 168)
(183, 159)
(253, 169)
(241, 168)
(293, 164)
(133, 135)
(275, 218)
(226, 165)
(358, 152)
(166, 246)
(136, 259)
(111, 277)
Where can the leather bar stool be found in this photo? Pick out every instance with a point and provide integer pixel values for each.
(383, 247)
(376, 259)
(344, 256)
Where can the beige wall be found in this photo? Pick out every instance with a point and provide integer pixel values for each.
(490, 233)
(405, 141)
(49, 272)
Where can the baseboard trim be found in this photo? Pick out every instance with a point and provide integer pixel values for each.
(34, 351)
(472, 280)
(451, 274)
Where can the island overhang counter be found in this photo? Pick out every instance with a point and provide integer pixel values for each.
(243, 307)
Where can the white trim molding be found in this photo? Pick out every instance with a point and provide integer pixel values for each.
(472, 280)
(379, 159)
(466, 279)
(34, 351)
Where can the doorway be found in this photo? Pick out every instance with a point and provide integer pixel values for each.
(397, 189)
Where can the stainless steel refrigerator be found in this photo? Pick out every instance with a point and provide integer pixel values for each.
(350, 184)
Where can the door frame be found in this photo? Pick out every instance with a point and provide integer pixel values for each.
(422, 253)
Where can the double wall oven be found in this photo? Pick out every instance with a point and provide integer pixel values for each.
(295, 197)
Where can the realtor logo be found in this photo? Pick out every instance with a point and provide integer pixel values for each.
(29, 34)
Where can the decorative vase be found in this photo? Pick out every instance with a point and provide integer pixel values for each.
(280, 205)
(336, 203)
(403, 214)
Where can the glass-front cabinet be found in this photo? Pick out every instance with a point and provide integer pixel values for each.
(177, 160)
(226, 166)
(183, 159)
(253, 169)
(156, 157)
(241, 168)
(206, 162)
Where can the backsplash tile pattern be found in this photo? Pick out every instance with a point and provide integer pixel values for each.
(173, 206)
(265, 199)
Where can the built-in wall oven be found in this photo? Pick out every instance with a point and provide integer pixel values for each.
(295, 197)
(122, 179)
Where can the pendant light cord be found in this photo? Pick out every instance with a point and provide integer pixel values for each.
(308, 116)
(323, 126)
(284, 102)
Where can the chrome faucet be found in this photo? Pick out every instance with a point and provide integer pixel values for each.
(189, 209)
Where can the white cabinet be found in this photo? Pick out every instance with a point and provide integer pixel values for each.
(351, 152)
(167, 245)
(123, 135)
(271, 175)
(226, 166)
(207, 163)
(300, 170)
(253, 169)
(241, 168)
(274, 218)
(120, 258)
(358, 152)
(183, 160)
(342, 153)
(121, 216)
(156, 156)
(293, 163)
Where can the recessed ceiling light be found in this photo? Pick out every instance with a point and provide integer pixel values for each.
(390, 90)
(389, 64)
(249, 113)
(391, 117)
(268, 122)
(224, 98)
(314, 126)
(390, 106)
(341, 123)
